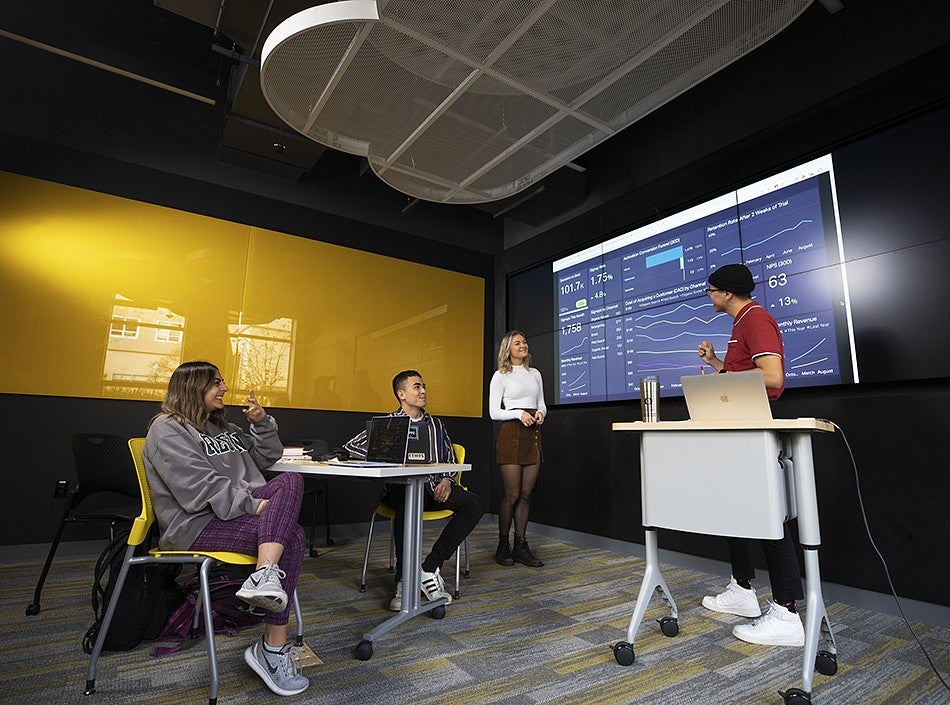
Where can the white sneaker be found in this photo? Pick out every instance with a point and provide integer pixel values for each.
(433, 587)
(735, 599)
(395, 604)
(262, 589)
(778, 627)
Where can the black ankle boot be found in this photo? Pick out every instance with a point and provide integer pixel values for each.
(522, 554)
(503, 552)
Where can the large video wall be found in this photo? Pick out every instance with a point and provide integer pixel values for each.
(636, 305)
(844, 249)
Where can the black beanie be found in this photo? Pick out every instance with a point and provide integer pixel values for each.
(733, 277)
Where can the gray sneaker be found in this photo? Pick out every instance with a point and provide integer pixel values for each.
(278, 671)
(262, 589)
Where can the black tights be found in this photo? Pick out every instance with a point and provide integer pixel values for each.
(516, 504)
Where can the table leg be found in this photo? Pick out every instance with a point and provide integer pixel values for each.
(652, 582)
(817, 625)
(411, 563)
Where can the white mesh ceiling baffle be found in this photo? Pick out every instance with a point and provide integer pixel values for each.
(467, 101)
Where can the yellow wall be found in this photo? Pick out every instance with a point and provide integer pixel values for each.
(103, 297)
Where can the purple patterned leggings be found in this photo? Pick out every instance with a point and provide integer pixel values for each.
(277, 523)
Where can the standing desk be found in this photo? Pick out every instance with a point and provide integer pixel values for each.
(732, 478)
(414, 478)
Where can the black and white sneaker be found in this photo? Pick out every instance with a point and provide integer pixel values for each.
(433, 587)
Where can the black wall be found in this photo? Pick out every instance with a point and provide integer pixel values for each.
(788, 103)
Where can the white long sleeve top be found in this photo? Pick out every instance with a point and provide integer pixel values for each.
(510, 392)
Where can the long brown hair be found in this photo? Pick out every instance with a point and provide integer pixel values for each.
(185, 399)
(504, 352)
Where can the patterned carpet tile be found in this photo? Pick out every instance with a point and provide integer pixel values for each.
(517, 636)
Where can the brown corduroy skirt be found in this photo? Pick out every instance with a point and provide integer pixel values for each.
(518, 444)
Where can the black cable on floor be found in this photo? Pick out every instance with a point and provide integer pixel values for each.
(887, 572)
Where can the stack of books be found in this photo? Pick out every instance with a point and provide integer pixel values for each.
(294, 453)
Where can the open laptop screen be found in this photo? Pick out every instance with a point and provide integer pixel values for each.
(388, 438)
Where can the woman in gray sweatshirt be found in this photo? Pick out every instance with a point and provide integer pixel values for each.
(208, 494)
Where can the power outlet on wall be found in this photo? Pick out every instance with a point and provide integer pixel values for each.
(61, 488)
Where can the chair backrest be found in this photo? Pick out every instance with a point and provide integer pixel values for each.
(459, 458)
(144, 521)
(103, 465)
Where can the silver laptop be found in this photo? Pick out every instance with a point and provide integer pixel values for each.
(734, 396)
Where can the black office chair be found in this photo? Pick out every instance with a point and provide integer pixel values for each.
(316, 487)
(106, 492)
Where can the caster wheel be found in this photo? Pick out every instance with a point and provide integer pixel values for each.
(329, 542)
(437, 612)
(364, 650)
(795, 696)
(623, 653)
(34, 608)
(314, 553)
(826, 663)
(669, 626)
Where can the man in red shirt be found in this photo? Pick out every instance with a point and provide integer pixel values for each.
(755, 343)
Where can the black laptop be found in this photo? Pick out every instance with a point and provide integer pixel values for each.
(387, 442)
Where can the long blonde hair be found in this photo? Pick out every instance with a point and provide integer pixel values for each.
(504, 352)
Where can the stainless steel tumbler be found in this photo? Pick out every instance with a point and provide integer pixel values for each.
(650, 398)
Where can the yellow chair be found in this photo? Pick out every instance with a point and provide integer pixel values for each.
(387, 512)
(204, 559)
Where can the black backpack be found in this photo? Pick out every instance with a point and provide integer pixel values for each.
(149, 596)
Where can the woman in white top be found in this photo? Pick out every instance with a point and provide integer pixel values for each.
(516, 398)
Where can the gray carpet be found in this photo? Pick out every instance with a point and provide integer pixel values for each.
(517, 636)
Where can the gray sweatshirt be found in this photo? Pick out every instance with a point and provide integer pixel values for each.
(195, 476)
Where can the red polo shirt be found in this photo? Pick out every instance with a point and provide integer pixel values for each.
(754, 333)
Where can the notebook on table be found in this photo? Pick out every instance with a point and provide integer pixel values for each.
(387, 442)
(734, 396)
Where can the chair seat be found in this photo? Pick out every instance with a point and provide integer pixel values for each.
(436, 514)
(223, 556)
(104, 515)
(384, 510)
(387, 512)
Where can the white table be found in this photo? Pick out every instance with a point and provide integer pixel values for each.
(732, 478)
(414, 478)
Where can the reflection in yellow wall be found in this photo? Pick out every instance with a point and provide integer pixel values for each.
(104, 297)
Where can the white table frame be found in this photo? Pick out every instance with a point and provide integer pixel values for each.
(414, 478)
(794, 437)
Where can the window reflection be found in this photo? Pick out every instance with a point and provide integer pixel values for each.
(262, 357)
(143, 348)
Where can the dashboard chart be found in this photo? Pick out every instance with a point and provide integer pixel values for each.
(637, 305)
